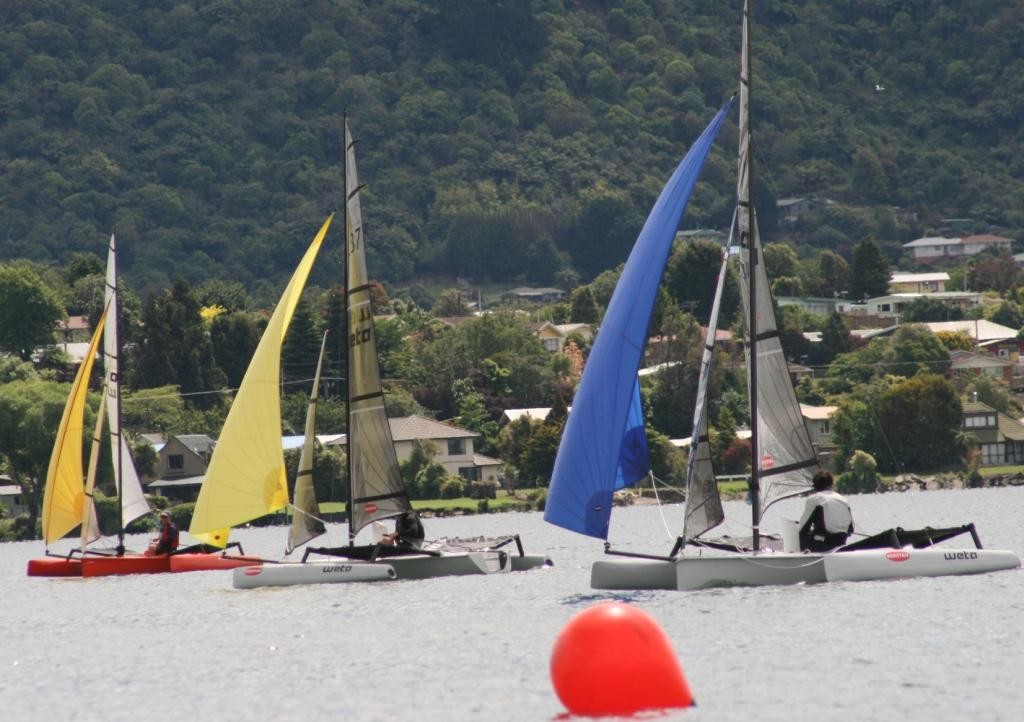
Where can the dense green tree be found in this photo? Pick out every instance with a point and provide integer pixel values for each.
(234, 337)
(583, 306)
(835, 338)
(29, 311)
(869, 272)
(925, 310)
(691, 276)
(301, 349)
(928, 404)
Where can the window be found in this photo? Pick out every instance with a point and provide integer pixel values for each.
(175, 462)
(456, 447)
(824, 427)
(469, 473)
(987, 421)
(991, 454)
(551, 344)
(885, 307)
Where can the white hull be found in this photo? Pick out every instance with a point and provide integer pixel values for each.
(319, 572)
(529, 561)
(337, 571)
(772, 568)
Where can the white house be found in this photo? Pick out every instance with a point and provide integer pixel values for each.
(918, 282)
(11, 497)
(935, 248)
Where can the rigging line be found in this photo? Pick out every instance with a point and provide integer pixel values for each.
(661, 509)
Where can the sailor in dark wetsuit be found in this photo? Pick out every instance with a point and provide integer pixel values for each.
(168, 539)
(827, 519)
(408, 532)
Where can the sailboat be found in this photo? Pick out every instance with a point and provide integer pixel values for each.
(68, 495)
(782, 457)
(376, 490)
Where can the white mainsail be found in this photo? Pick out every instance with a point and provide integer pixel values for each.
(90, 522)
(129, 488)
(375, 483)
(306, 523)
(785, 459)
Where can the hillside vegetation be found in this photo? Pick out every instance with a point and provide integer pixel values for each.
(517, 140)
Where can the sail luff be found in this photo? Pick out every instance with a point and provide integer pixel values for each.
(782, 456)
(375, 482)
(246, 476)
(64, 493)
(306, 523)
(703, 502)
(131, 499)
(591, 448)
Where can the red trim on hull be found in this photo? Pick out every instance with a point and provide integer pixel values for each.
(128, 564)
(206, 562)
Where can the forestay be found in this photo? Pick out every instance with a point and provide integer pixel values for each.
(605, 426)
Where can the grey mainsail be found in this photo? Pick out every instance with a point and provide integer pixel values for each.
(703, 502)
(375, 484)
(306, 523)
(785, 458)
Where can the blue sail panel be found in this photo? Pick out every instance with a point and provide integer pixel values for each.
(634, 459)
(588, 461)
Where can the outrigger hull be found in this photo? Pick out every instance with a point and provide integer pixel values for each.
(335, 571)
(208, 562)
(104, 566)
(773, 568)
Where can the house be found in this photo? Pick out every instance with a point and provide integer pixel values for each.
(999, 437)
(798, 372)
(701, 234)
(964, 364)
(817, 419)
(818, 306)
(891, 307)
(11, 497)
(554, 335)
(534, 414)
(790, 209)
(939, 248)
(181, 466)
(541, 295)
(454, 446)
(918, 282)
(74, 329)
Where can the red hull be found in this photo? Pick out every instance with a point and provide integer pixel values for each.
(206, 562)
(109, 566)
(55, 567)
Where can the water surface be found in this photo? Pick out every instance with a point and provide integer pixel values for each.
(188, 646)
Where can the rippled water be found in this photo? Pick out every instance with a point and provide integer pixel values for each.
(190, 647)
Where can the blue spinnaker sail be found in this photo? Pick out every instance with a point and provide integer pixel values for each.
(601, 449)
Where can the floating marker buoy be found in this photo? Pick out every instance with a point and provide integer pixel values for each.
(614, 659)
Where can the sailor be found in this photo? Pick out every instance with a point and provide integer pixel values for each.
(408, 532)
(827, 519)
(167, 542)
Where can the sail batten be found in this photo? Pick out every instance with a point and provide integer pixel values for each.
(375, 482)
(246, 476)
(590, 456)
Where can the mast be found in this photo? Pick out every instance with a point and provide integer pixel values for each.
(348, 351)
(114, 377)
(746, 202)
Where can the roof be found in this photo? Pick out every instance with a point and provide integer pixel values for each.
(528, 291)
(968, 359)
(783, 202)
(685, 442)
(297, 442)
(412, 428)
(74, 323)
(184, 481)
(817, 413)
(986, 238)
(481, 460)
(12, 490)
(199, 443)
(918, 277)
(540, 413)
(933, 241)
(980, 330)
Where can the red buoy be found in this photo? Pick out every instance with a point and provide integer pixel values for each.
(614, 659)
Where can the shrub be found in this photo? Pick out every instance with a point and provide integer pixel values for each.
(483, 507)
(861, 476)
(452, 488)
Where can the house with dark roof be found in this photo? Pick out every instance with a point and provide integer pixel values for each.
(999, 437)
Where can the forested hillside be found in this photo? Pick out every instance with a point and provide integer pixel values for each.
(515, 140)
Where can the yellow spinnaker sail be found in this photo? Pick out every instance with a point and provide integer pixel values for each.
(64, 496)
(246, 476)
